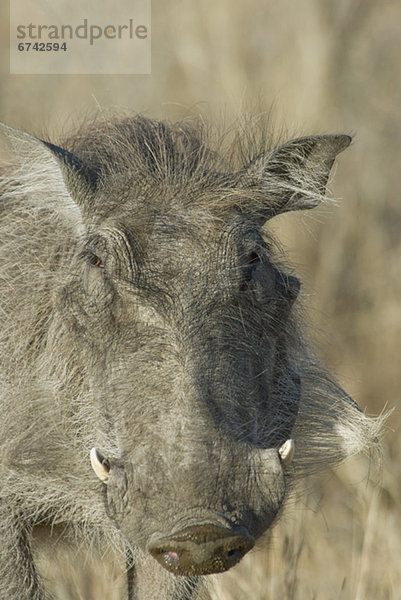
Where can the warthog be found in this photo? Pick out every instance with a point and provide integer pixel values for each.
(149, 336)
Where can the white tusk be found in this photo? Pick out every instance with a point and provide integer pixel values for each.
(99, 465)
(286, 452)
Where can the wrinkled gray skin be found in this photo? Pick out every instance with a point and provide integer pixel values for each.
(146, 314)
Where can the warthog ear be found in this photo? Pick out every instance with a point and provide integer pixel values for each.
(294, 176)
(51, 176)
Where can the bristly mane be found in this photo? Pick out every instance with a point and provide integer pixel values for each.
(187, 156)
(164, 150)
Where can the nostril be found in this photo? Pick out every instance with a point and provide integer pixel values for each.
(170, 558)
(234, 555)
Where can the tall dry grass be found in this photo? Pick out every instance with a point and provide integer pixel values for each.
(324, 66)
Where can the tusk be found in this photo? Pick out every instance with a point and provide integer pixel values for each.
(100, 465)
(286, 452)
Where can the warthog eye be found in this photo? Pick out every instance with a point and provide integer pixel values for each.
(253, 259)
(96, 261)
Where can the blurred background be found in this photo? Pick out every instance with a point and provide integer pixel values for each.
(316, 66)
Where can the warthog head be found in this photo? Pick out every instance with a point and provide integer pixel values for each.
(172, 335)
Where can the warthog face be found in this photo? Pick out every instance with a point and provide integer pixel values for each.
(167, 327)
(190, 316)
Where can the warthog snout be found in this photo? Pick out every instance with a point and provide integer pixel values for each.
(202, 549)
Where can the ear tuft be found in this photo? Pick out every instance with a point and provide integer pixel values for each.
(73, 165)
(49, 175)
(294, 176)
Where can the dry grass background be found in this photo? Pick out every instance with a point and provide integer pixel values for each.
(324, 66)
